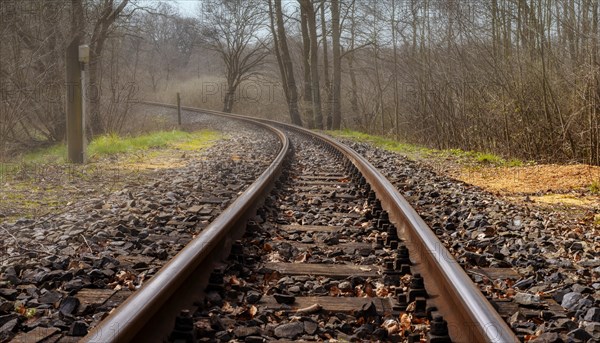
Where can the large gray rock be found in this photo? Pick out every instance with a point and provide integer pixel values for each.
(570, 300)
(527, 299)
(593, 315)
(593, 329)
(289, 330)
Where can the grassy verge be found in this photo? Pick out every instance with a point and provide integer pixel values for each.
(114, 144)
(595, 187)
(43, 181)
(416, 152)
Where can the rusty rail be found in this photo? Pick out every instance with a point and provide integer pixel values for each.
(471, 318)
(141, 318)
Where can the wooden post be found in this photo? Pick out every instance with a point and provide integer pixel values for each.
(178, 109)
(74, 105)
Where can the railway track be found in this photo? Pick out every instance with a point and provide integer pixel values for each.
(337, 254)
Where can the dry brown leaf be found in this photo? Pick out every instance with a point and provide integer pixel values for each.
(274, 276)
(406, 279)
(130, 286)
(382, 291)
(21, 309)
(302, 257)
(227, 308)
(240, 310)
(392, 326)
(537, 320)
(530, 337)
(405, 321)
(233, 280)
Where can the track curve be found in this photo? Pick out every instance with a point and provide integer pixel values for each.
(138, 318)
(470, 317)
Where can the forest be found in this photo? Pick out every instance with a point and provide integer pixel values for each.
(520, 78)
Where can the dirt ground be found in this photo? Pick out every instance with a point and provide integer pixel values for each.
(563, 188)
(32, 190)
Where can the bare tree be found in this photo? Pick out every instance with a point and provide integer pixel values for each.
(337, 67)
(307, 96)
(311, 21)
(234, 29)
(326, 77)
(107, 12)
(286, 67)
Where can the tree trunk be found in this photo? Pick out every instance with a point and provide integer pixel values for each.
(337, 68)
(229, 98)
(288, 66)
(326, 66)
(278, 53)
(308, 98)
(396, 91)
(352, 72)
(99, 35)
(309, 10)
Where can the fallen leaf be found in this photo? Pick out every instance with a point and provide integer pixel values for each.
(382, 291)
(227, 308)
(267, 247)
(392, 326)
(233, 280)
(405, 321)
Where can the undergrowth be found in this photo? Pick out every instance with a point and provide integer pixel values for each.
(43, 181)
(595, 187)
(112, 144)
(415, 151)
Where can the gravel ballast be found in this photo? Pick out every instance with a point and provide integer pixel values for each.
(62, 273)
(557, 259)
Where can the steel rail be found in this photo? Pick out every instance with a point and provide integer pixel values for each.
(141, 318)
(470, 316)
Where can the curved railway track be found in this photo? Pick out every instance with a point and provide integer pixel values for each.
(148, 315)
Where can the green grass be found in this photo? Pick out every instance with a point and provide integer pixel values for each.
(53, 154)
(595, 187)
(114, 144)
(415, 152)
(383, 142)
